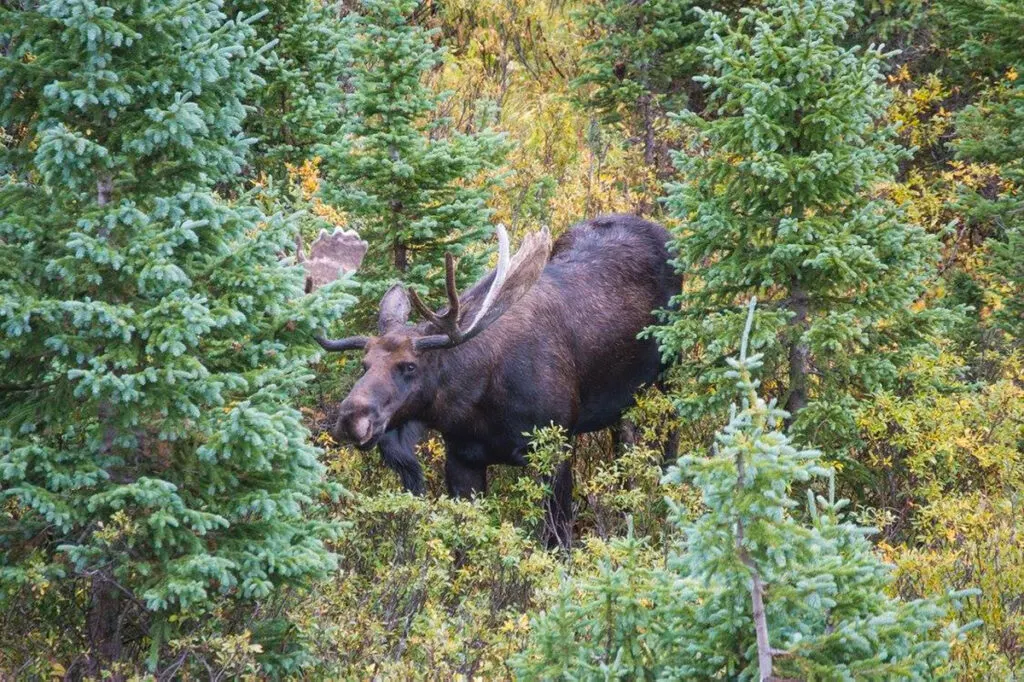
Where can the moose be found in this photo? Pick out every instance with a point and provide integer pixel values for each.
(548, 336)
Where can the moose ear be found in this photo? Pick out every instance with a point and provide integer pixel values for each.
(394, 310)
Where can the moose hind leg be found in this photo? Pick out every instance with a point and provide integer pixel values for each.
(624, 434)
(464, 480)
(558, 514)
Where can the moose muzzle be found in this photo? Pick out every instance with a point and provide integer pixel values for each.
(357, 422)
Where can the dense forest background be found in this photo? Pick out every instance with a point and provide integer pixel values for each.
(171, 505)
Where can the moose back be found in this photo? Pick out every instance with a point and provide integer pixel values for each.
(548, 336)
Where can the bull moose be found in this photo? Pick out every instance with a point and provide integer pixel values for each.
(550, 335)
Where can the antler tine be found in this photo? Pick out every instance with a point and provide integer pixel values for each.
(424, 310)
(453, 293)
(448, 323)
(500, 274)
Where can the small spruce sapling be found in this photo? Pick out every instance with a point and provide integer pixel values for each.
(776, 596)
(754, 590)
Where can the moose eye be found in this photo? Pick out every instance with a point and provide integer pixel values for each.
(407, 368)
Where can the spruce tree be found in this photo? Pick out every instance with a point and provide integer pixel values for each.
(991, 131)
(152, 462)
(639, 64)
(780, 198)
(778, 596)
(411, 187)
(1006, 267)
(755, 590)
(299, 105)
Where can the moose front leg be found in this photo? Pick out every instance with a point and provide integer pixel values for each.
(398, 450)
(465, 469)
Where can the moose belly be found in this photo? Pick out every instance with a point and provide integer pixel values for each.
(609, 390)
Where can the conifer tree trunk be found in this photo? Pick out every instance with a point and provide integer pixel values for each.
(103, 623)
(401, 256)
(647, 114)
(401, 249)
(102, 619)
(764, 649)
(799, 352)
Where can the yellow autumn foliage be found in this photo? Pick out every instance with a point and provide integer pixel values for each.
(917, 108)
(955, 473)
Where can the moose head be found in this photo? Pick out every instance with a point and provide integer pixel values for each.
(403, 365)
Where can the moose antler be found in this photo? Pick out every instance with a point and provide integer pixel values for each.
(448, 321)
(511, 279)
(329, 254)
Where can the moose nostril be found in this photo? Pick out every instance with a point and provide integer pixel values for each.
(337, 434)
(338, 427)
